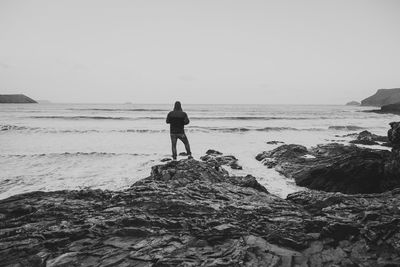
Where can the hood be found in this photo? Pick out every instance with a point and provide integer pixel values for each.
(177, 106)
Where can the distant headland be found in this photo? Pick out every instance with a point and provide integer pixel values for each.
(387, 99)
(16, 99)
(383, 97)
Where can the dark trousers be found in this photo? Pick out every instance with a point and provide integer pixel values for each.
(183, 138)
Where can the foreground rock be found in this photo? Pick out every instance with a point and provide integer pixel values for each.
(190, 213)
(359, 220)
(383, 97)
(334, 167)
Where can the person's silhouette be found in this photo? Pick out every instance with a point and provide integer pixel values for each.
(177, 120)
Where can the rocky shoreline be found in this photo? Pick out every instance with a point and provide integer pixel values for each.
(341, 168)
(334, 167)
(193, 213)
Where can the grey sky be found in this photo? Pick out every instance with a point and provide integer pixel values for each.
(205, 51)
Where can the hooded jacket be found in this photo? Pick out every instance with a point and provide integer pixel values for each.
(177, 119)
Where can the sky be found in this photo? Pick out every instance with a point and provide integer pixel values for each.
(199, 51)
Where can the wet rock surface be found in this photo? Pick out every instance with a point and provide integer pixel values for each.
(394, 134)
(217, 158)
(335, 167)
(392, 167)
(368, 138)
(355, 223)
(191, 213)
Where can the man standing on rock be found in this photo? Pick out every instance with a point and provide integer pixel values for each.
(177, 120)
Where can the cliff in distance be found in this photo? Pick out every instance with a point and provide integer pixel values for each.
(19, 98)
(383, 97)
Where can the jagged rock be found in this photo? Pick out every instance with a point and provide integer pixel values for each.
(248, 181)
(356, 224)
(217, 158)
(368, 138)
(213, 152)
(188, 213)
(392, 167)
(334, 167)
(394, 133)
(282, 153)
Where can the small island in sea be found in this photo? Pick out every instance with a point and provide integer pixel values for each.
(353, 103)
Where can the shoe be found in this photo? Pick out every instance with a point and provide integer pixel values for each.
(190, 157)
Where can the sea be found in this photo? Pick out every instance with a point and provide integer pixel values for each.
(51, 147)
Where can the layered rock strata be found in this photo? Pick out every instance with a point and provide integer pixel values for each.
(191, 213)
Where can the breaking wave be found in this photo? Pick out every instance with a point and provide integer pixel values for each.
(16, 128)
(246, 129)
(5, 128)
(229, 118)
(245, 118)
(239, 129)
(346, 128)
(188, 129)
(117, 109)
(82, 117)
(73, 154)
